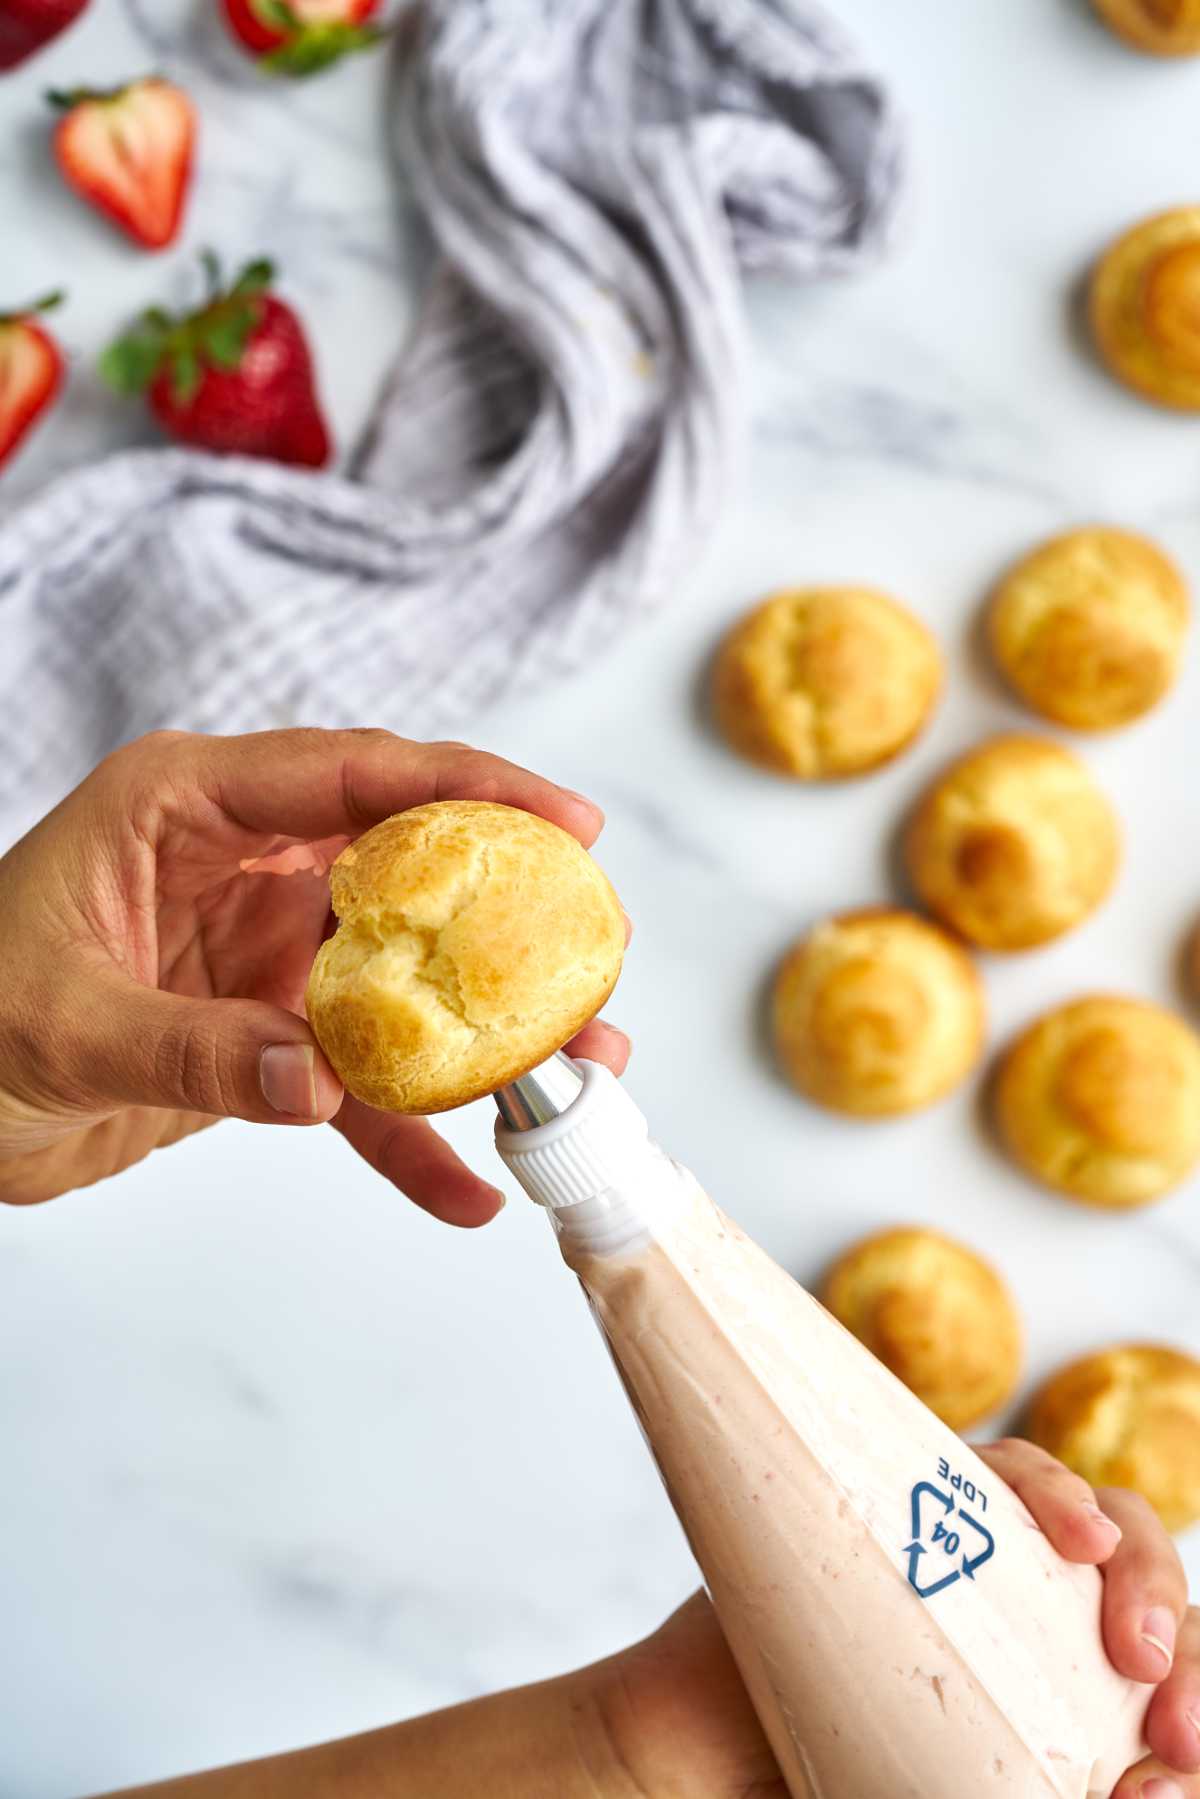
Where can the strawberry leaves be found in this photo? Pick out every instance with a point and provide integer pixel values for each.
(306, 46)
(314, 47)
(216, 336)
(46, 303)
(65, 99)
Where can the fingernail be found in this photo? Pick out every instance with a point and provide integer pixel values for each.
(1099, 1517)
(584, 801)
(1158, 1629)
(628, 926)
(501, 1198)
(621, 1035)
(287, 1076)
(1162, 1789)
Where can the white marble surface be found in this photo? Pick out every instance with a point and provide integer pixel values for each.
(280, 1457)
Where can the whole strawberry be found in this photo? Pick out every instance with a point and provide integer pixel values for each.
(235, 376)
(31, 370)
(128, 151)
(298, 37)
(25, 25)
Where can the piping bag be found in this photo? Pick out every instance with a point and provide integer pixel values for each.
(900, 1622)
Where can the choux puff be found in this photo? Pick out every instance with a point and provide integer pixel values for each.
(877, 1012)
(1144, 305)
(473, 941)
(1165, 27)
(1014, 844)
(1101, 1099)
(1090, 627)
(1128, 1416)
(824, 682)
(934, 1313)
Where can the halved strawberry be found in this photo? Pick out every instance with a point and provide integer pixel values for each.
(235, 376)
(128, 151)
(298, 37)
(31, 370)
(25, 25)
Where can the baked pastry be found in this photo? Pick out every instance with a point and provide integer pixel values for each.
(1145, 308)
(934, 1313)
(822, 682)
(1101, 1099)
(877, 1012)
(1089, 627)
(1166, 27)
(1014, 844)
(1128, 1417)
(474, 940)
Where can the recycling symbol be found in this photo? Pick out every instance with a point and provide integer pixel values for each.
(932, 1511)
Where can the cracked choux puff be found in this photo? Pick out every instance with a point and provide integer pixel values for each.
(1128, 1416)
(1014, 844)
(1165, 27)
(877, 1012)
(1089, 627)
(473, 941)
(824, 682)
(936, 1314)
(1101, 1099)
(1144, 305)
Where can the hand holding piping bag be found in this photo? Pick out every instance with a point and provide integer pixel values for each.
(671, 1716)
(676, 1706)
(160, 928)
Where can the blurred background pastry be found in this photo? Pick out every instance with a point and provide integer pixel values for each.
(1128, 1417)
(936, 1314)
(1014, 844)
(822, 682)
(877, 1012)
(1166, 27)
(1101, 1099)
(1145, 308)
(1090, 627)
(473, 941)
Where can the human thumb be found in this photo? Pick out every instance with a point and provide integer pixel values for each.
(230, 1058)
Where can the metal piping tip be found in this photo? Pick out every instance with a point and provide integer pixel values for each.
(542, 1094)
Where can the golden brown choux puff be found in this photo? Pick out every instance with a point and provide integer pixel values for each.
(1101, 1099)
(1165, 27)
(1014, 844)
(1128, 1416)
(877, 1012)
(1144, 305)
(824, 682)
(936, 1314)
(1089, 627)
(473, 941)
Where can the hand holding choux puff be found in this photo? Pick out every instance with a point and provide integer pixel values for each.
(1165, 27)
(473, 941)
(824, 682)
(936, 1314)
(1014, 845)
(1128, 1416)
(1101, 1099)
(877, 1012)
(1145, 308)
(1090, 627)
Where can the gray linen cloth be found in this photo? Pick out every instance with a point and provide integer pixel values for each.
(552, 447)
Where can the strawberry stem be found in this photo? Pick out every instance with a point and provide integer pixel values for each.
(46, 303)
(210, 262)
